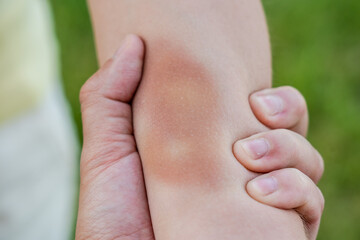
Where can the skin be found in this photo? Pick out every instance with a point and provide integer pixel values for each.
(113, 202)
(167, 124)
(189, 156)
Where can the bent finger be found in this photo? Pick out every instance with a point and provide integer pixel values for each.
(282, 107)
(277, 149)
(290, 189)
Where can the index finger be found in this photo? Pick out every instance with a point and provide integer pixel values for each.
(282, 107)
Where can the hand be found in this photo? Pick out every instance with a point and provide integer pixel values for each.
(112, 202)
(294, 165)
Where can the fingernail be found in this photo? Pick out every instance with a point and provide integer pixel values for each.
(256, 148)
(263, 186)
(123, 46)
(271, 103)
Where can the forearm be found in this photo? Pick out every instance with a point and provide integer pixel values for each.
(203, 59)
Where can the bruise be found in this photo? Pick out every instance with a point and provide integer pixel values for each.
(177, 115)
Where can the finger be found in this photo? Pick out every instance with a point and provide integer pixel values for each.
(276, 149)
(290, 189)
(105, 97)
(112, 201)
(282, 107)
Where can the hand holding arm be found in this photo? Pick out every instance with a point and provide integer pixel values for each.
(113, 201)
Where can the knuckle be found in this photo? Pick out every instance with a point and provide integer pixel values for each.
(294, 180)
(302, 107)
(83, 95)
(321, 165)
(281, 132)
(322, 201)
(290, 89)
(289, 175)
(300, 179)
(317, 206)
(88, 89)
(296, 173)
(287, 137)
(301, 102)
(286, 142)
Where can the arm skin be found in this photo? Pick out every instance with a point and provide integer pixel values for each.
(203, 60)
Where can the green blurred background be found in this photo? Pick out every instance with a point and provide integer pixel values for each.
(316, 48)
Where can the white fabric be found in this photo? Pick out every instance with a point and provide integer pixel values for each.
(28, 55)
(38, 154)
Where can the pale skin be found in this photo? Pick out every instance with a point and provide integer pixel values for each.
(113, 202)
(203, 60)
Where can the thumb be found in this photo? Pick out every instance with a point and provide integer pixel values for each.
(105, 98)
(112, 200)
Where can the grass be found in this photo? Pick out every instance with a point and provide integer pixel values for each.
(316, 48)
